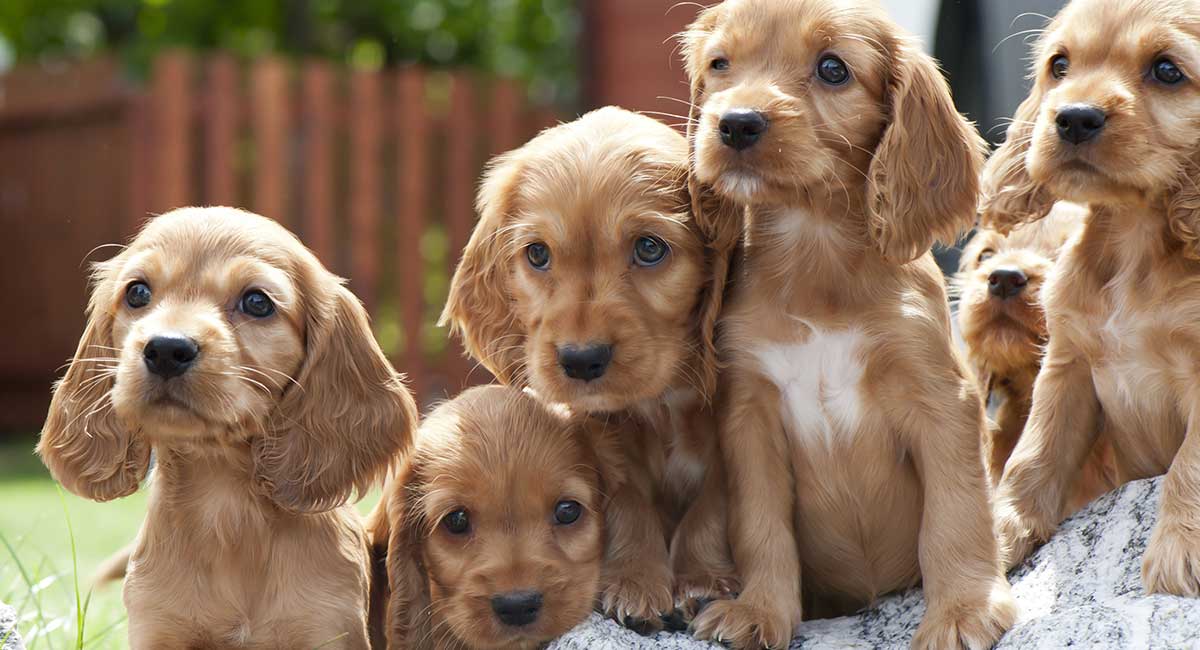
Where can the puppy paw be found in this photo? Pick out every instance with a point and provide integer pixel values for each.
(1018, 536)
(974, 625)
(694, 593)
(741, 624)
(638, 600)
(1171, 564)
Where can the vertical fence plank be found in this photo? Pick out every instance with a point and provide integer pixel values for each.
(271, 120)
(318, 160)
(461, 169)
(171, 103)
(413, 124)
(365, 191)
(140, 136)
(220, 134)
(504, 127)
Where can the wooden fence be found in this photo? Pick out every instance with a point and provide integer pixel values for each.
(375, 170)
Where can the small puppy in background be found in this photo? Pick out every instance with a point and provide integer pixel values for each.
(849, 424)
(1113, 122)
(494, 525)
(588, 280)
(1003, 324)
(217, 340)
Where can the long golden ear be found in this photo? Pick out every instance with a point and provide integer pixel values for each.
(692, 45)
(407, 622)
(722, 228)
(479, 306)
(84, 444)
(923, 182)
(344, 421)
(1183, 208)
(1010, 197)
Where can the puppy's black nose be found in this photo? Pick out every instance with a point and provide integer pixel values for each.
(741, 128)
(517, 608)
(1079, 123)
(1006, 282)
(586, 362)
(170, 355)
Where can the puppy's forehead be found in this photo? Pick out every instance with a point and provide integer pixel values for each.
(1103, 31)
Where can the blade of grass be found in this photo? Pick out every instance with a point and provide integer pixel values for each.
(80, 608)
(37, 601)
(103, 634)
(336, 638)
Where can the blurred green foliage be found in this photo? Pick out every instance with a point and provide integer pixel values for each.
(534, 40)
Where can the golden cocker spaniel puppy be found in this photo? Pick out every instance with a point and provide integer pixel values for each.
(588, 280)
(1113, 122)
(218, 341)
(494, 525)
(849, 424)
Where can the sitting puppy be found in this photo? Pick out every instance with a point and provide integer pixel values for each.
(1113, 122)
(849, 425)
(1003, 324)
(219, 342)
(587, 280)
(494, 525)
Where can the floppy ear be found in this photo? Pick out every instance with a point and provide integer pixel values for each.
(84, 444)
(340, 426)
(721, 223)
(407, 621)
(924, 179)
(1183, 209)
(479, 307)
(1010, 196)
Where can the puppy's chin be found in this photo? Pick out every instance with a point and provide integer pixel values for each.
(166, 412)
(1082, 178)
(1003, 338)
(615, 391)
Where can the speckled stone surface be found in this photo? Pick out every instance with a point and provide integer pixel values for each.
(9, 639)
(1082, 589)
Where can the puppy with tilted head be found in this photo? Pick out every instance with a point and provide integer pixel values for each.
(588, 280)
(1003, 324)
(218, 341)
(849, 424)
(1112, 122)
(494, 525)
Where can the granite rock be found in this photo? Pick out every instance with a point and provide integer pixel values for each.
(1082, 589)
(9, 639)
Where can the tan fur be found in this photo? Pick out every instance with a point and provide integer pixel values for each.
(853, 462)
(500, 455)
(1121, 306)
(247, 543)
(1005, 339)
(588, 190)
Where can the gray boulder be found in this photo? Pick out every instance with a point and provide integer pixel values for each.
(9, 639)
(1082, 589)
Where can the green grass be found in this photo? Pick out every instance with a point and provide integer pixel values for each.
(40, 559)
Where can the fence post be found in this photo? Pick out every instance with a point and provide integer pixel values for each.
(412, 126)
(171, 103)
(271, 119)
(220, 134)
(461, 168)
(365, 190)
(317, 192)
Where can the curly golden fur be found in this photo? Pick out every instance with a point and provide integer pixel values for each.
(258, 443)
(849, 425)
(498, 460)
(588, 192)
(1121, 306)
(1003, 324)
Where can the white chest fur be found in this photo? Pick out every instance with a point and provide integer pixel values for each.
(819, 383)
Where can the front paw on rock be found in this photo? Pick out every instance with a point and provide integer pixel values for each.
(740, 624)
(974, 626)
(1171, 564)
(639, 603)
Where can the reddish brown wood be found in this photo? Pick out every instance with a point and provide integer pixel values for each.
(220, 133)
(317, 158)
(462, 169)
(504, 130)
(413, 126)
(271, 121)
(171, 105)
(365, 193)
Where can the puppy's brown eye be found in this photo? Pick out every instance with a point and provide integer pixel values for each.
(719, 64)
(457, 522)
(256, 303)
(1059, 66)
(567, 512)
(539, 255)
(986, 255)
(137, 295)
(649, 251)
(833, 70)
(1167, 72)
